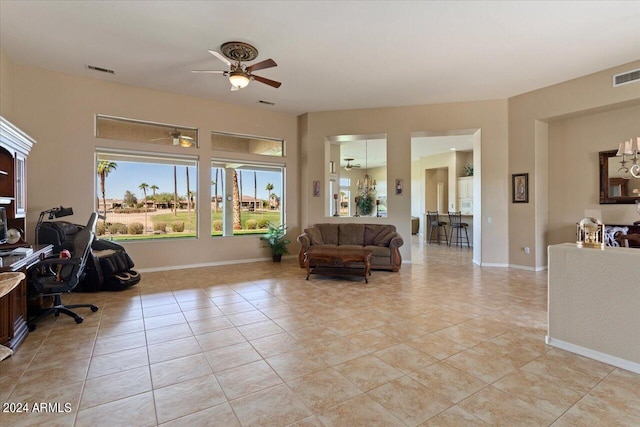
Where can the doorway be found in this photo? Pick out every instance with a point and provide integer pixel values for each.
(446, 176)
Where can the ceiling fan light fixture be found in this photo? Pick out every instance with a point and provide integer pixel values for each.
(238, 79)
(185, 143)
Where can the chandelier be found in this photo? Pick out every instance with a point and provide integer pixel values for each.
(367, 185)
(630, 148)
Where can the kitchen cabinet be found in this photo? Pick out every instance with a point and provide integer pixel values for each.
(465, 195)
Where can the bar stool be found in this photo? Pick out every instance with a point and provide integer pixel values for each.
(435, 225)
(455, 223)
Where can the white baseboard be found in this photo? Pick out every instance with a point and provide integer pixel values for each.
(526, 267)
(595, 355)
(493, 264)
(207, 264)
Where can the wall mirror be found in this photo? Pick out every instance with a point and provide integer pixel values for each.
(357, 175)
(616, 187)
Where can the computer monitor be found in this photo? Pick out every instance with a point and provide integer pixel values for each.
(3, 225)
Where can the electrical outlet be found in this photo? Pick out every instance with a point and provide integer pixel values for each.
(527, 250)
(488, 220)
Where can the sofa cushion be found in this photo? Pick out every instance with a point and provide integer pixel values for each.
(378, 235)
(379, 251)
(351, 234)
(315, 236)
(329, 233)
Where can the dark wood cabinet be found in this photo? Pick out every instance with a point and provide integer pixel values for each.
(15, 146)
(13, 306)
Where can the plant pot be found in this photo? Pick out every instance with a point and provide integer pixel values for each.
(277, 258)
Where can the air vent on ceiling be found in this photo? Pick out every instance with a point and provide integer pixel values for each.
(102, 70)
(626, 78)
(266, 102)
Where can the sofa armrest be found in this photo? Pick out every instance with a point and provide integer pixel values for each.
(396, 241)
(396, 258)
(305, 242)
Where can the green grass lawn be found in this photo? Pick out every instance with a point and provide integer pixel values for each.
(190, 225)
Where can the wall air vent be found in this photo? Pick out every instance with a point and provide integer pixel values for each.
(102, 70)
(626, 78)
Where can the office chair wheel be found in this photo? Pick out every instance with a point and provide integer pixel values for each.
(94, 308)
(79, 319)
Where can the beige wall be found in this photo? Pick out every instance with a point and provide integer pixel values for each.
(529, 144)
(522, 134)
(591, 314)
(426, 173)
(58, 110)
(398, 124)
(574, 144)
(6, 84)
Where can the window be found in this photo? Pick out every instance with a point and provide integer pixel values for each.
(139, 131)
(245, 197)
(345, 197)
(244, 144)
(146, 195)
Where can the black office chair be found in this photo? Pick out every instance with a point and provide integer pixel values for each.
(54, 276)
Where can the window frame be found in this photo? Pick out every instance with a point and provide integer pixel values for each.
(124, 155)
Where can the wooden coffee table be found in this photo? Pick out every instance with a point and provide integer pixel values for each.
(336, 261)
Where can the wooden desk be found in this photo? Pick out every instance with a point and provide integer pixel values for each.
(13, 306)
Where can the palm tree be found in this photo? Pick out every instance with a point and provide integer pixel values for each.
(269, 188)
(237, 219)
(215, 187)
(175, 190)
(255, 190)
(144, 187)
(154, 188)
(188, 194)
(103, 169)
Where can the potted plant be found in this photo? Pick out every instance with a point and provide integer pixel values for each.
(276, 241)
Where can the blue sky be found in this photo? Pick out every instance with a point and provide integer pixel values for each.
(129, 176)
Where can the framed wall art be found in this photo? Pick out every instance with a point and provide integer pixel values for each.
(398, 187)
(520, 188)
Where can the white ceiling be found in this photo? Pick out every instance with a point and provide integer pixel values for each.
(331, 55)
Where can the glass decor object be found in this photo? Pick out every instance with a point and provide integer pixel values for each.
(590, 233)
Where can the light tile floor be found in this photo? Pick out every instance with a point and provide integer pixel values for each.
(441, 343)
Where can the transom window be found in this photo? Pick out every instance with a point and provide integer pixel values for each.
(139, 131)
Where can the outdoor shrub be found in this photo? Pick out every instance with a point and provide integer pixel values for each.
(177, 226)
(118, 228)
(159, 226)
(133, 210)
(100, 228)
(263, 223)
(251, 224)
(136, 228)
(217, 225)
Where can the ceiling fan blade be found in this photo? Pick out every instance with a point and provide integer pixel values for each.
(209, 71)
(267, 63)
(220, 56)
(269, 82)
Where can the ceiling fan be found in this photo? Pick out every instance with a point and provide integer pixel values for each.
(177, 138)
(350, 166)
(234, 54)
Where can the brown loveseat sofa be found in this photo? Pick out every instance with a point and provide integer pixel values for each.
(382, 239)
